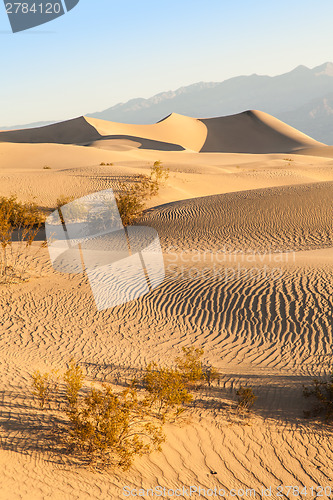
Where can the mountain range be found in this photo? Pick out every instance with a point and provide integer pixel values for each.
(303, 98)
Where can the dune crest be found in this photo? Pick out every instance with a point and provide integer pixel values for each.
(184, 131)
(248, 132)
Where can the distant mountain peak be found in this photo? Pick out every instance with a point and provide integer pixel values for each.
(324, 69)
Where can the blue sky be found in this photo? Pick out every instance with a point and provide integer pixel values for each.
(104, 52)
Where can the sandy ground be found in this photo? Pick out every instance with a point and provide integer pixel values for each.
(247, 242)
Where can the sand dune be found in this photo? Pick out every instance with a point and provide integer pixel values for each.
(253, 132)
(247, 242)
(173, 133)
(174, 129)
(74, 131)
(273, 219)
(247, 132)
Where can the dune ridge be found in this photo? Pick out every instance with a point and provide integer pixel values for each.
(247, 132)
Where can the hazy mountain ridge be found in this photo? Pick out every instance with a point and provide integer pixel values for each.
(292, 97)
(303, 98)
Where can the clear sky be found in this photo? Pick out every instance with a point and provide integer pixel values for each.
(104, 51)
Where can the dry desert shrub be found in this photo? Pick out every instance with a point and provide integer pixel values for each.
(322, 393)
(193, 369)
(44, 386)
(107, 427)
(132, 197)
(100, 426)
(110, 429)
(73, 380)
(22, 220)
(167, 390)
(246, 398)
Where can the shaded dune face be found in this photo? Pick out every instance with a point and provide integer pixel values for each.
(252, 132)
(74, 131)
(248, 132)
(288, 218)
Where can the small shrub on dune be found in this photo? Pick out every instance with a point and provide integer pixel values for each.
(132, 197)
(105, 427)
(322, 393)
(100, 426)
(190, 364)
(46, 167)
(130, 204)
(193, 369)
(63, 200)
(167, 390)
(110, 429)
(246, 398)
(44, 386)
(73, 379)
(25, 220)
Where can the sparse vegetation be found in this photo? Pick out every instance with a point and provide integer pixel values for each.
(24, 221)
(132, 196)
(104, 164)
(190, 364)
(46, 167)
(130, 204)
(110, 429)
(246, 398)
(192, 368)
(64, 200)
(167, 389)
(44, 386)
(101, 427)
(107, 427)
(322, 393)
(73, 379)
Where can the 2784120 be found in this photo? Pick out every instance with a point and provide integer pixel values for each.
(35, 8)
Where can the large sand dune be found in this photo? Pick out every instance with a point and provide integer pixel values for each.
(247, 132)
(247, 240)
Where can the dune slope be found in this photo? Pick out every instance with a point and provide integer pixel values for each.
(253, 132)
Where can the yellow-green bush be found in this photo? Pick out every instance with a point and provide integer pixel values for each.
(132, 196)
(25, 220)
(110, 429)
(44, 386)
(166, 388)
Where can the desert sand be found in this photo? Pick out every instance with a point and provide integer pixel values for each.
(245, 224)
